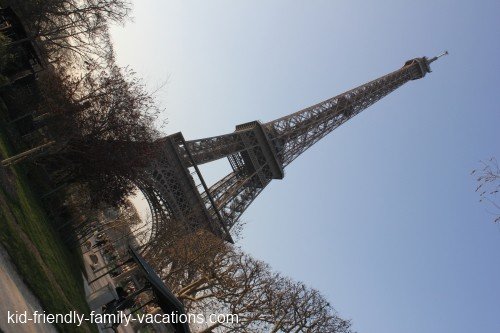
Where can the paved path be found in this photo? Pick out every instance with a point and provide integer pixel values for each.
(15, 296)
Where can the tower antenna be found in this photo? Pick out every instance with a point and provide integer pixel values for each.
(437, 57)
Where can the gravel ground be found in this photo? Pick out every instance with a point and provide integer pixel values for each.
(15, 296)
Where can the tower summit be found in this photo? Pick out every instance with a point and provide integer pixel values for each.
(257, 152)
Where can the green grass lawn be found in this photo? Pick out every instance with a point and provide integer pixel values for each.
(47, 265)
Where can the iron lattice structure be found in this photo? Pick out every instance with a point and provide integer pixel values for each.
(258, 153)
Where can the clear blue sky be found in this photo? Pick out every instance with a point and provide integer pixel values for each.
(381, 216)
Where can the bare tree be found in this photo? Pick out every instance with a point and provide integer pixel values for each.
(296, 308)
(488, 179)
(211, 276)
(72, 29)
(103, 122)
(179, 254)
(264, 301)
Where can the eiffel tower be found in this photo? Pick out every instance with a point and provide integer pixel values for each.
(257, 152)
